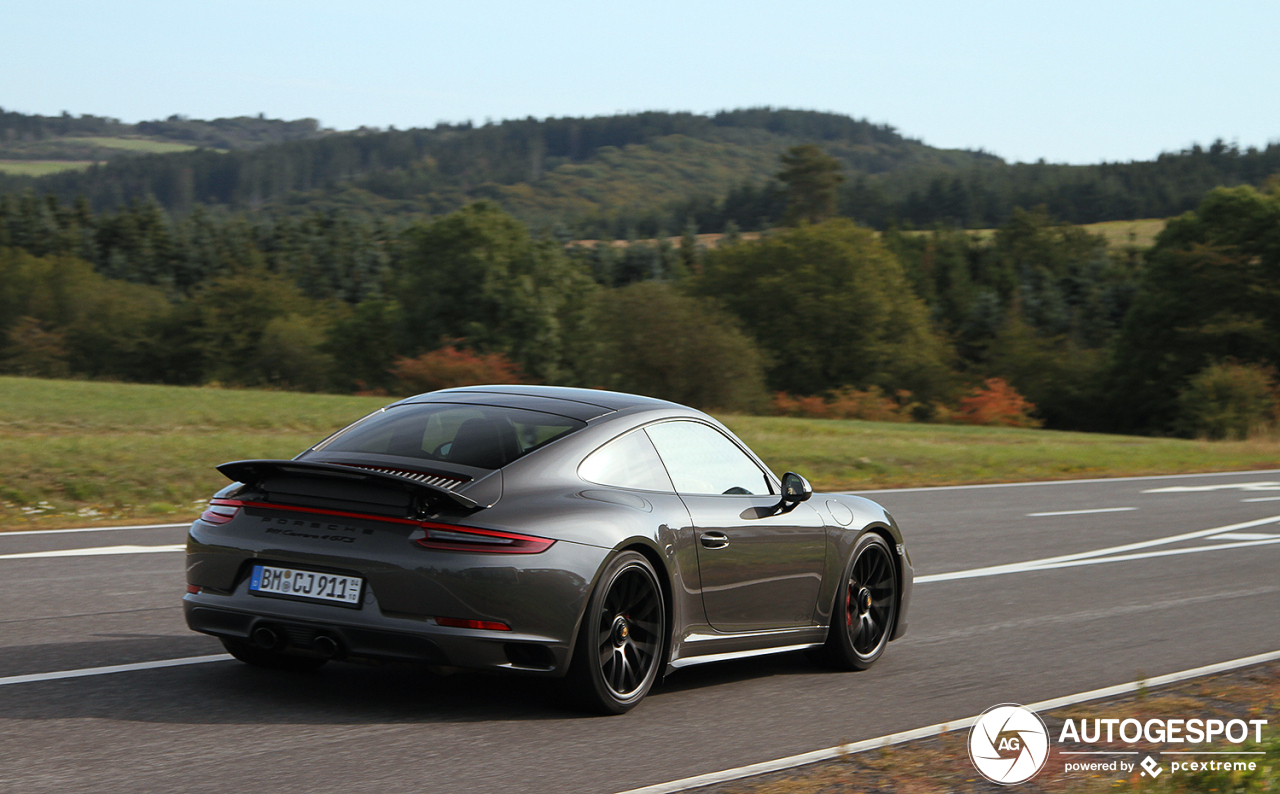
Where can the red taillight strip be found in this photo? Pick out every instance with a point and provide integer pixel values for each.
(220, 511)
(447, 537)
(460, 623)
(450, 537)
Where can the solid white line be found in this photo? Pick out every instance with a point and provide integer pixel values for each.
(933, 730)
(1067, 482)
(944, 577)
(1244, 536)
(4, 534)
(1082, 512)
(94, 552)
(115, 668)
(1263, 499)
(1017, 567)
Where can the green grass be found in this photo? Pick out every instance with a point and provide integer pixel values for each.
(74, 451)
(855, 455)
(71, 450)
(41, 167)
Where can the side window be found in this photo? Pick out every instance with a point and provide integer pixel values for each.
(702, 461)
(627, 462)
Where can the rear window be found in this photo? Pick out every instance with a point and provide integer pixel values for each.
(483, 436)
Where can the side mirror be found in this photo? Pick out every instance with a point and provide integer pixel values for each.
(795, 488)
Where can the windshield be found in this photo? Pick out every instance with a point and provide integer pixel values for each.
(483, 436)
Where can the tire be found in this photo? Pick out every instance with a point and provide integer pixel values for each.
(620, 645)
(866, 606)
(272, 660)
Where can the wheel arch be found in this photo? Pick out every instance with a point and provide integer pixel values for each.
(645, 548)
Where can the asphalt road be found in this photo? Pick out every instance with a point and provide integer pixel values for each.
(1045, 605)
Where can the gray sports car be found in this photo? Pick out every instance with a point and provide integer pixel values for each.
(601, 537)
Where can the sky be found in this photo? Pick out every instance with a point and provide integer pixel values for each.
(1076, 82)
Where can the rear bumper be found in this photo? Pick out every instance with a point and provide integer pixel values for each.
(368, 637)
(540, 596)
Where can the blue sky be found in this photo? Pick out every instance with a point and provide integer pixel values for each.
(1068, 82)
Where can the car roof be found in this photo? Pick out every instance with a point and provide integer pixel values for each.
(584, 404)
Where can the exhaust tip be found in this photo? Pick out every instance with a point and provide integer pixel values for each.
(265, 637)
(326, 646)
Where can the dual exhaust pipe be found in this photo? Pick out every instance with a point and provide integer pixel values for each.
(269, 638)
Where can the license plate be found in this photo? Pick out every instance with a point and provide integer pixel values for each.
(329, 587)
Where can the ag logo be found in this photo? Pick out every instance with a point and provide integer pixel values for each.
(1009, 744)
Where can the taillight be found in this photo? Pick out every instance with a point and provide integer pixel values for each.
(459, 623)
(447, 537)
(194, 589)
(220, 511)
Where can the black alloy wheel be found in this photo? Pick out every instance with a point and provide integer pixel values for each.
(866, 606)
(620, 645)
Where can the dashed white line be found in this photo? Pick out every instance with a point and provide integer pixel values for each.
(1262, 499)
(933, 730)
(1230, 486)
(115, 668)
(94, 552)
(1083, 512)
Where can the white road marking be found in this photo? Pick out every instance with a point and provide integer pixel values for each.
(1082, 512)
(1068, 560)
(1230, 486)
(831, 753)
(1244, 536)
(115, 668)
(1263, 499)
(943, 577)
(1066, 482)
(94, 552)
(4, 534)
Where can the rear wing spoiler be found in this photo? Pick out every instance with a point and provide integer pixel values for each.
(256, 472)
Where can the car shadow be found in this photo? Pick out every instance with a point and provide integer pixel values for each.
(230, 692)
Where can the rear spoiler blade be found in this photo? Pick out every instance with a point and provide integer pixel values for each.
(254, 472)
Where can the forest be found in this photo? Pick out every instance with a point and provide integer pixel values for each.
(1040, 322)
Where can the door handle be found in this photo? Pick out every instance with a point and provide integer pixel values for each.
(714, 540)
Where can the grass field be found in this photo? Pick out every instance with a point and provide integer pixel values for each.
(41, 167)
(73, 452)
(1120, 234)
(137, 145)
(52, 155)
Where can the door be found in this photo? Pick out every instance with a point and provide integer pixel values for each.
(760, 566)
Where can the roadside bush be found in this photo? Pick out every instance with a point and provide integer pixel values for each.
(995, 402)
(848, 403)
(34, 351)
(450, 367)
(1227, 400)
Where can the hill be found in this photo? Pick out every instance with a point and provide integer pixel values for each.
(33, 145)
(644, 174)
